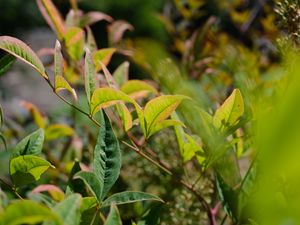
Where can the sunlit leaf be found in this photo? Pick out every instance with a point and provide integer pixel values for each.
(113, 216)
(6, 62)
(22, 51)
(230, 111)
(27, 212)
(39, 120)
(68, 210)
(27, 169)
(159, 109)
(129, 197)
(30, 145)
(92, 181)
(58, 60)
(191, 148)
(52, 16)
(137, 88)
(107, 155)
(74, 40)
(89, 75)
(103, 55)
(164, 124)
(60, 83)
(121, 74)
(55, 131)
(104, 97)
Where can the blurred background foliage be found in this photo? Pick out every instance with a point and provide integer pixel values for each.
(202, 49)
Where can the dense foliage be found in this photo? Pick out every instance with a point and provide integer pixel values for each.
(207, 134)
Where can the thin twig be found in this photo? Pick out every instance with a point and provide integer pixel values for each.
(13, 189)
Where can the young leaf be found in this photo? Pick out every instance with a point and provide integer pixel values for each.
(27, 169)
(129, 197)
(92, 181)
(6, 62)
(74, 39)
(89, 75)
(104, 56)
(58, 60)
(107, 155)
(164, 124)
(117, 29)
(30, 145)
(137, 88)
(113, 216)
(121, 74)
(68, 210)
(27, 212)
(92, 45)
(60, 83)
(159, 109)
(52, 17)
(230, 111)
(39, 120)
(23, 52)
(104, 97)
(55, 192)
(94, 17)
(55, 131)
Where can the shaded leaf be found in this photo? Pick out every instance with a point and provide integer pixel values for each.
(92, 181)
(3, 141)
(107, 156)
(6, 62)
(89, 75)
(27, 169)
(94, 17)
(113, 216)
(55, 131)
(52, 17)
(1, 117)
(35, 113)
(74, 39)
(92, 45)
(61, 84)
(58, 60)
(121, 74)
(137, 88)
(103, 56)
(104, 97)
(164, 124)
(27, 212)
(30, 145)
(117, 29)
(55, 192)
(230, 111)
(129, 197)
(22, 51)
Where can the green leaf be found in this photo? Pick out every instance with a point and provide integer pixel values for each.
(27, 212)
(159, 109)
(92, 45)
(107, 155)
(103, 56)
(104, 97)
(89, 75)
(68, 210)
(30, 145)
(1, 117)
(27, 169)
(23, 52)
(113, 216)
(192, 148)
(52, 16)
(61, 84)
(230, 111)
(137, 88)
(6, 62)
(74, 39)
(58, 60)
(164, 124)
(87, 203)
(121, 74)
(75, 185)
(92, 181)
(129, 197)
(55, 131)
(3, 141)
(39, 120)
(89, 214)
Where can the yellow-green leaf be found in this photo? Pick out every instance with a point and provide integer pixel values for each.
(52, 16)
(23, 52)
(62, 84)
(159, 109)
(92, 45)
(74, 39)
(58, 60)
(164, 124)
(229, 113)
(27, 169)
(137, 88)
(55, 131)
(39, 120)
(103, 55)
(104, 97)
(89, 75)
(121, 74)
